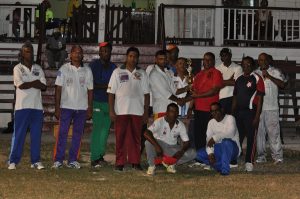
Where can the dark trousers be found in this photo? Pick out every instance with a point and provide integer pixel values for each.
(226, 103)
(200, 126)
(244, 119)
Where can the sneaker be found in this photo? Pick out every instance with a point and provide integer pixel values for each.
(57, 165)
(248, 167)
(119, 168)
(207, 167)
(171, 169)
(137, 167)
(197, 164)
(261, 160)
(233, 165)
(11, 166)
(151, 170)
(278, 161)
(74, 165)
(37, 165)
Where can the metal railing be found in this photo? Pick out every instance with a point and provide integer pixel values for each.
(243, 26)
(26, 20)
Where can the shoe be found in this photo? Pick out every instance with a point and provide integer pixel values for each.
(12, 166)
(197, 164)
(207, 167)
(119, 168)
(171, 169)
(278, 161)
(37, 165)
(151, 170)
(137, 167)
(57, 165)
(261, 160)
(74, 165)
(248, 167)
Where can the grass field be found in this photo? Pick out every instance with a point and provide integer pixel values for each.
(267, 181)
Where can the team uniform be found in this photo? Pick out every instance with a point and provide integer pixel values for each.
(203, 82)
(227, 146)
(129, 89)
(28, 113)
(101, 119)
(75, 83)
(181, 83)
(269, 119)
(168, 140)
(226, 93)
(162, 87)
(246, 90)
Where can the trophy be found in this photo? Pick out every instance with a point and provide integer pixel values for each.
(190, 77)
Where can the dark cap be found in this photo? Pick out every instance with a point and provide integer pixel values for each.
(226, 51)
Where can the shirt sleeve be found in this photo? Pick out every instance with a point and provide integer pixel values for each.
(155, 127)
(209, 134)
(113, 83)
(278, 75)
(183, 134)
(42, 77)
(90, 84)
(260, 86)
(59, 78)
(218, 79)
(145, 83)
(18, 81)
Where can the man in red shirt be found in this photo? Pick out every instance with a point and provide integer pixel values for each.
(205, 91)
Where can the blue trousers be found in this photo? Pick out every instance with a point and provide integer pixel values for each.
(66, 116)
(25, 119)
(224, 152)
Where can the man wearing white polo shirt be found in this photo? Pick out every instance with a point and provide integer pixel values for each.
(29, 80)
(230, 72)
(162, 86)
(162, 140)
(73, 101)
(128, 98)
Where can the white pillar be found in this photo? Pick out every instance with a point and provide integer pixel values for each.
(219, 25)
(102, 11)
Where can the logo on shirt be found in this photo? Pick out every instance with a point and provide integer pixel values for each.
(137, 75)
(249, 84)
(36, 72)
(123, 77)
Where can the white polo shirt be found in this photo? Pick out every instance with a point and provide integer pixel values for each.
(161, 130)
(227, 72)
(271, 89)
(162, 87)
(129, 89)
(181, 83)
(75, 83)
(28, 98)
(220, 130)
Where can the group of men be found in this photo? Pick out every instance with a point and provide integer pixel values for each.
(229, 102)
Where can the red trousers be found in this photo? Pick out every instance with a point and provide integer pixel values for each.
(128, 139)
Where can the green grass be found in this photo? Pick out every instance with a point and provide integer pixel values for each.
(267, 181)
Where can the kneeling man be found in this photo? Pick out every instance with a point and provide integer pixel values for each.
(223, 144)
(162, 141)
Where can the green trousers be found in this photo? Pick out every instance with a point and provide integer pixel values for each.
(101, 125)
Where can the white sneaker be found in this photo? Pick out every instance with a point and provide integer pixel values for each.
(171, 169)
(233, 166)
(207, 167)
(278, 161)
(248, 167)
(197, 164)
(12, 166)
(74, 165)
(261, 160)
(151, 170)
(57, 165)
(37, 165)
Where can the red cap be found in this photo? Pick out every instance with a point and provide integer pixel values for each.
(103, 44)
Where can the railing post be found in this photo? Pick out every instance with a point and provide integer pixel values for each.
(102, 12)
(219, 12)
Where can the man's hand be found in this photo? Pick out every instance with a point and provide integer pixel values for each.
(211, 142)
(112, 115)
(178, 154)
(89, 112)
(211, 159)
(255, 122)
(180, 101)
(189, 113)
(159, 151)
(57, 113)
